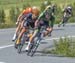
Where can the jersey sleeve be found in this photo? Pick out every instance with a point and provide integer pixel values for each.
(29, 15)
(41, 15)
(23, 11)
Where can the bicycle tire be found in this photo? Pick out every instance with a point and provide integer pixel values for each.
(36, 44)
(30, 48)
(15, 46)
(19, 49)
(34, 49)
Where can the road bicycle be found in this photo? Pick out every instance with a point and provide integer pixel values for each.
(23, 40)
(36, 42)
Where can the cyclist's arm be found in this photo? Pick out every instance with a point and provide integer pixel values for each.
(19, 17)
(36, 23)
(41, 14)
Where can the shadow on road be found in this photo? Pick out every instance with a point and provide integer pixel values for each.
(42, 53)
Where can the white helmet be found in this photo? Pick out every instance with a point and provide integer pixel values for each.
(69, 7)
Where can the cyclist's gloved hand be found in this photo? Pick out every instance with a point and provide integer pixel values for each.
(16, 23)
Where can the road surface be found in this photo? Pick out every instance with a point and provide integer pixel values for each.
(9, 55)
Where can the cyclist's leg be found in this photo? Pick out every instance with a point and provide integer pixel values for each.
(50, 25)
(65, 20)
(24, 29)
(61, 22)
(47, 28)
(17, 31)
(20, 35)
(19, 27)
(31, 39)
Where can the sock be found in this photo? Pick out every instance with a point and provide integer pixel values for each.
(14, 37)
(27, 45)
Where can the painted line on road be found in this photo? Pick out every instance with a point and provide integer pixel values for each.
(60, 37)
(2, 47)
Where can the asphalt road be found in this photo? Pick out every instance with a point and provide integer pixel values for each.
(9, 55)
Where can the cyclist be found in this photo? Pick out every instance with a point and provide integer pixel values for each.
(43, 20)
(67, 13)
(29, 13)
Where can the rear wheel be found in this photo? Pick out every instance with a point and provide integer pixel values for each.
(15, 45)
(19, 48)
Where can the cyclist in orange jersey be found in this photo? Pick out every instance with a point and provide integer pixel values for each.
(28, 21)
(20, 20)
(24, 13)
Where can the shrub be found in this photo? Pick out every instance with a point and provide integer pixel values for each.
(43, 5)
(12, 15)
(26, 5)
(65, 47)
(2, 16)
(62, 47)
(17, 12)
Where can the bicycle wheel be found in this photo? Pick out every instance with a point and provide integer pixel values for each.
(34, 49)
(30, 48)
(15, 46)
(19, 48)
(36, 44)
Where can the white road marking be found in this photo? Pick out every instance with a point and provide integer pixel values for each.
(60, 37)
(2, 47)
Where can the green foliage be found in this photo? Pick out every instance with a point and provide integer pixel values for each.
(62, 47)
(22, 4)
(7, 25)
(43, 6)
(2, 16)
(65, 47)
(58, 14)
(72, 19)
(17, 12)
(26, 5)
(12, 15)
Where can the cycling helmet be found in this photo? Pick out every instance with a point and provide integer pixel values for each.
(48, 7)
(35, 11)
(69, 7)
(27, 10)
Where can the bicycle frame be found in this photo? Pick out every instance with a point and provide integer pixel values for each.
(36, 42)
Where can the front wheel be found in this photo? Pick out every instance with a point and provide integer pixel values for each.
(36, 44)
(34, 49)
(30, 48)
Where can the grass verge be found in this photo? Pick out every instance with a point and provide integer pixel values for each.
(63, 47)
